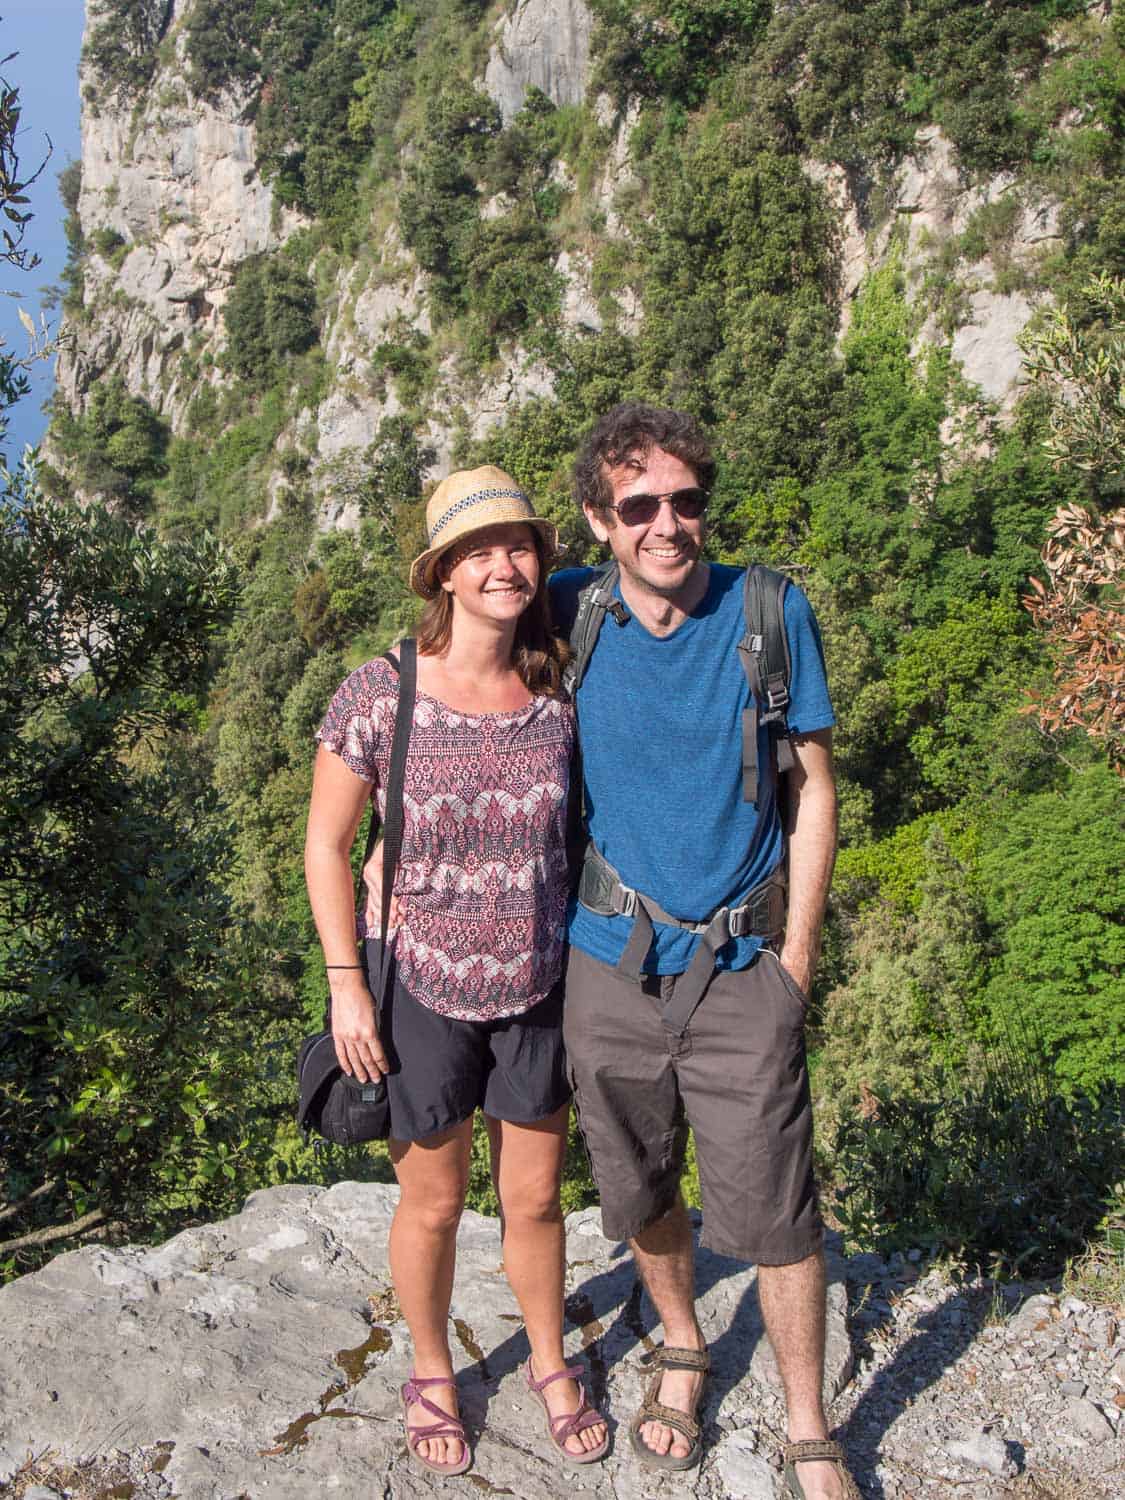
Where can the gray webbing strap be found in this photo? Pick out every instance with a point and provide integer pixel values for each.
(690, 985)
(750, 751)
(761, 915)
(593, 602)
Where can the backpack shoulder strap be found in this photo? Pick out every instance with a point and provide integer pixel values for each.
(593, 601)
(764, 654)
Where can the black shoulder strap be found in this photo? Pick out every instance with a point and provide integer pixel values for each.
(593, 601)
(407, 667)
(764, 654)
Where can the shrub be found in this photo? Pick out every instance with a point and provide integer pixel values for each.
(269, 316)
(124, 36)
(223, 45)
(1005, 1173)
(125, 1023)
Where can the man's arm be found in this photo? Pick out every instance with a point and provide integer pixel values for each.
(811, 832)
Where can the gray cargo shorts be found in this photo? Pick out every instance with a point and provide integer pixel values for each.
(737, 1076)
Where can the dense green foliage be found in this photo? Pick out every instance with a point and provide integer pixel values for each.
(271, 313)
(972, 981)
(123, 1039)
(123, 41)
(119, 446)
(1000, 1174)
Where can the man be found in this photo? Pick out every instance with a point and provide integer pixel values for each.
(658, 1034)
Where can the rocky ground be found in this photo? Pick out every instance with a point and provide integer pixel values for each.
(965, 1387)
(203, 1369)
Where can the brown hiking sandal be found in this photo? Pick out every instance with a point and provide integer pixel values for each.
(652, 1410)
(809, 1451)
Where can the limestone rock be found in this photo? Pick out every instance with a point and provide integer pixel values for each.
(1085, 1421)
(746, 1473)
(266, 1353)
(579, 310)
(175, 180)
(1037, 1311)
(925, 205)
(982, 1450)
(543, 44)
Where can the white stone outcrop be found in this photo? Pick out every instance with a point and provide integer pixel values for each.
(175, 180)
(262, 1357)
(543, 44)
(924, 206)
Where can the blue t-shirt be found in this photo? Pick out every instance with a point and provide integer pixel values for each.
(660, 722)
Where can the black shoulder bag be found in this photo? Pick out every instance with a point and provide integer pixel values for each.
(335, 1106)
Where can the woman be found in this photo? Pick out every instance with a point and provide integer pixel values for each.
(473, 1016)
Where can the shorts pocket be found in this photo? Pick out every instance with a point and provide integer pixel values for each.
(795, 990)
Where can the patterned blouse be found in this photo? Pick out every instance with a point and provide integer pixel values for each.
(482, 877)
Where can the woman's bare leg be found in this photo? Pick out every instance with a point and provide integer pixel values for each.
(527, 1162)
(432, 1176)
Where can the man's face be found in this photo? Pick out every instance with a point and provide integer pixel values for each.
(659, 555)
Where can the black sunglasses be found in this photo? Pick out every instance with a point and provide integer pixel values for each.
(639, 510)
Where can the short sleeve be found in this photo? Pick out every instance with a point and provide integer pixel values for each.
(810, 707)
(354, 727)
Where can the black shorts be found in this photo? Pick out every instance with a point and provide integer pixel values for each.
(441, 1070)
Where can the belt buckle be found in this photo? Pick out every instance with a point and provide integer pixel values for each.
(741, 922)
(629, 902)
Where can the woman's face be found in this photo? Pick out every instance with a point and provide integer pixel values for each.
(493, 574)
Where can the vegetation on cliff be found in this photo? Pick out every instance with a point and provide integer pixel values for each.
(974, 963)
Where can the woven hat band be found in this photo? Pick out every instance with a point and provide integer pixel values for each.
(478, 497)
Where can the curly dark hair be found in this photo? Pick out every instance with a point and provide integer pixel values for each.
(633, 427)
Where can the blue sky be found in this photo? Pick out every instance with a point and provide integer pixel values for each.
(47, 35)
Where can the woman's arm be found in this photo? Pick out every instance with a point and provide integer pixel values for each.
(339, 797)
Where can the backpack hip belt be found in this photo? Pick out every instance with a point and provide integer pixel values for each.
(602, 891)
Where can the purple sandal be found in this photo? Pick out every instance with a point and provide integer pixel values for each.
(445, 1426)
(566, 1424)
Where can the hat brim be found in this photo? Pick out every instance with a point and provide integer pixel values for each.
(423, 569)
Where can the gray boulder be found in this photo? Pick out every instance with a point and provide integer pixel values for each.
(262, 1356)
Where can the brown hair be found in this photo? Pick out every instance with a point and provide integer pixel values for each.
(538, 654)
(635, 427)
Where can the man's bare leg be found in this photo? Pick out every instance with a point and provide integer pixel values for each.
(793, 1307)
(665, 1257)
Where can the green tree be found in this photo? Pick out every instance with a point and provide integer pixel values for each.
(1052, 877)
(122, 42)
(269, 316)
(118, 446)
(127, 1024)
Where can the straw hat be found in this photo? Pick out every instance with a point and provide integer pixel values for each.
(467, 501)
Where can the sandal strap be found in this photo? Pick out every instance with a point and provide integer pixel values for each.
(451, 1426)
(825, 1450)
(812, 1449)
(567, 1424)
(419, 1432)
(568, 1372)
(670, 1358)
(682, 1421)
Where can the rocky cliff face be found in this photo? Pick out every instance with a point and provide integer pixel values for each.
(172, 196)
(923, 208)
(172, 178)
(543, 44)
